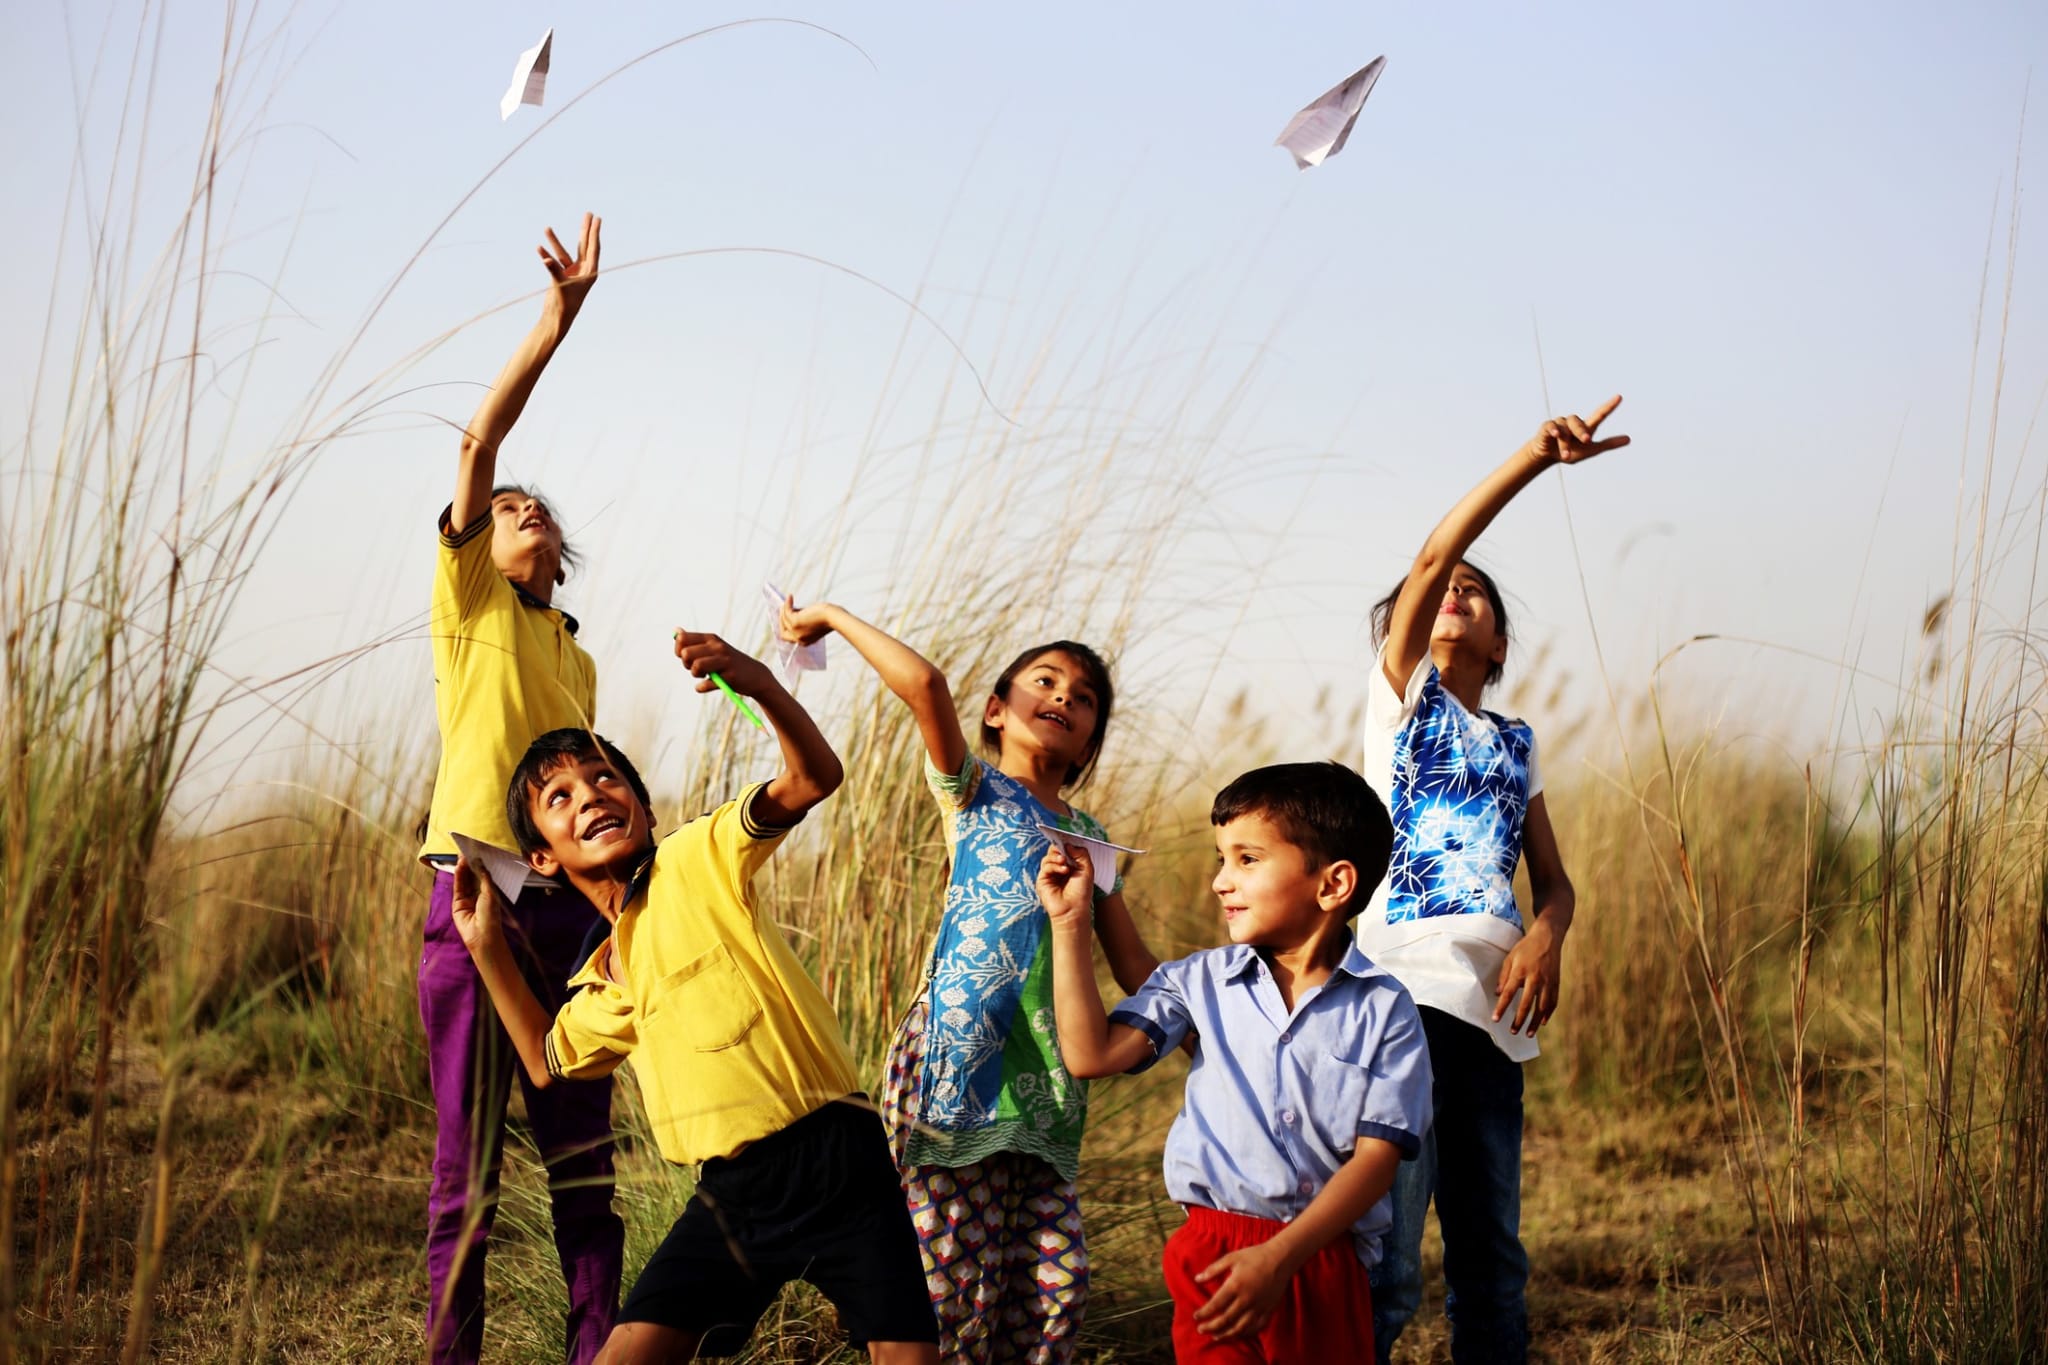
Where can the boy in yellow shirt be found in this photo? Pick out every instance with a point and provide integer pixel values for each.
(741, 1063)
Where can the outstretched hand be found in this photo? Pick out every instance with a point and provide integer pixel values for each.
(1066, 884)
(1570, 439)
(474, 906)
(572, 275)
(804, 625)
(704, 654)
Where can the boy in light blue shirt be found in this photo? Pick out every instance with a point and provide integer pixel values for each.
(1311, 1082)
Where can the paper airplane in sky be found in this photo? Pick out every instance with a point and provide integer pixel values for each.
(529, 77)
(1319, 131)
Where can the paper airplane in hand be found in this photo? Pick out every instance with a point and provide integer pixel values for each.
(507, 870)
(529, 77)
(792, 658)
(1319, 131)
(1101, 854)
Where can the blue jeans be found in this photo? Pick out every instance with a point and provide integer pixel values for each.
(1471, 1163)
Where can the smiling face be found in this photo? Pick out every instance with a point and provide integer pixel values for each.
(593, 823)
(1271, 897)
(1468, 624)
(526, 541)
(1051, 705)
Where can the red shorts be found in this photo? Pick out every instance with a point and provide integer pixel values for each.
(1325, 1319)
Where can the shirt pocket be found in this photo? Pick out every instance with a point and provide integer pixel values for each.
(1338, 1100)
(705, 1004)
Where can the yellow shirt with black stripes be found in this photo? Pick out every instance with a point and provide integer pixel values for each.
(730, 1038)
(507, 669)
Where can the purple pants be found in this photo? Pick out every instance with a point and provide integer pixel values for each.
(471, 1062)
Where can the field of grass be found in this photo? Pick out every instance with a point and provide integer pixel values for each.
(1795, 1107)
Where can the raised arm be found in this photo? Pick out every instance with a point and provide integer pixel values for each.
(1562, 440)
(571, 278)
(902, 669)
(479, 920)
(810, 770)
(1130, 961)
(1090, 1045)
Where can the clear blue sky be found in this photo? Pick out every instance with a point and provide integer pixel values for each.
(1766, 224)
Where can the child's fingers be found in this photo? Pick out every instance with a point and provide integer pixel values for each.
(1603, 412)
(1611, 443)
(1577, 427)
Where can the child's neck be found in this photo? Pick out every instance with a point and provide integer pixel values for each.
(1042, 776)
(1464, 679)
(1303, 966)
(535, 578)
(606, 893)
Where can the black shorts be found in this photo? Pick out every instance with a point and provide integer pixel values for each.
(819, 1201)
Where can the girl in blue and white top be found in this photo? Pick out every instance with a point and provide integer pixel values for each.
(1466, 797)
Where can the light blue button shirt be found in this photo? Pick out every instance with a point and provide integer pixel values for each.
(1276, 1101)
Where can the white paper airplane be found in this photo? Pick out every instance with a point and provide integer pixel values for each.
(792, 658)
(1101, 854)
(1320, 130)
(507, 870)
(529, 77)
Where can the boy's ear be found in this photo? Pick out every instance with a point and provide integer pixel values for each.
(992, 712)
(1336, 884)
(1500, 648)
(542, 860)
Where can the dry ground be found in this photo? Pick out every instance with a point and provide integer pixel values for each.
(1637, 1250)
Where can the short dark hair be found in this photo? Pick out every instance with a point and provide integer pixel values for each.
(545, 757)
(1324, 809)
(1097, 674)
(571, 557)
(1383, 614)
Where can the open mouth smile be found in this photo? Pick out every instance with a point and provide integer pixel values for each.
(601, 826)
(1057, 719)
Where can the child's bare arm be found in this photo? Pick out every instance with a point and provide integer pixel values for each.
(1255, 1279)
(478, 919)
(1534, 965)
(1090, 1045)
(1563, 440)
(572, 277)
(811, 771)
(1130, 961)
(911, 676)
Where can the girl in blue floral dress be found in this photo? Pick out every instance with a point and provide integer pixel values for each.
(1466, 797)
(986, 1119)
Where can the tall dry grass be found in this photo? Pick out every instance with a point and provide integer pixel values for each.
(1846, 962)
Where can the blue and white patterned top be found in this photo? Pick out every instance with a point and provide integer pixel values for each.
(1277, 1100)
(1458, 785)
(991, 1079)
(1460, 792)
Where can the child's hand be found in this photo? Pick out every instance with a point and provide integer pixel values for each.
(705, 654)
(804, 625)
(573, 275)
(1066, 885)
(1254, 1282)
(1532, 968)
(1568, 440)
(475, 907)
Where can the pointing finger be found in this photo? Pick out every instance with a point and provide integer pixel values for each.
(1603, 412)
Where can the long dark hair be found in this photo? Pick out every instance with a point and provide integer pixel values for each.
(1097, 673)
(1383, 614)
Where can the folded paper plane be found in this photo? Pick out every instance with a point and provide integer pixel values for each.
(791, 658)
(529, 77)
(507, 870)
(1101, 854)
(1319, 131)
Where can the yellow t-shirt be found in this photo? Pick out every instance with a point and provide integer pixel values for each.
(731, 1040)
(507, 669)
